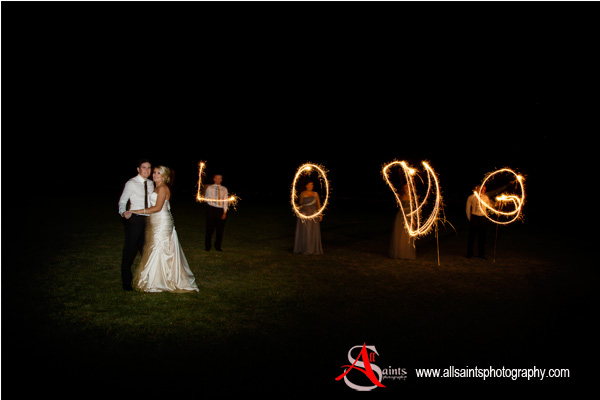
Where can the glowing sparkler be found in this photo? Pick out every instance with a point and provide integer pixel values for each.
(514, 201)
(412, 219)
(231, 200)
(307, 169)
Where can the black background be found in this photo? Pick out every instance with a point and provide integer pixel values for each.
(92, 88)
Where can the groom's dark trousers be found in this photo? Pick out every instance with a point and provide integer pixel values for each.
(135, 233)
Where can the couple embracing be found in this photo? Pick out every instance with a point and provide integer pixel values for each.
(150, 229)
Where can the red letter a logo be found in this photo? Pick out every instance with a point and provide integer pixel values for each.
(368, 370)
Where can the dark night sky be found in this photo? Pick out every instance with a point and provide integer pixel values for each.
(89, 91)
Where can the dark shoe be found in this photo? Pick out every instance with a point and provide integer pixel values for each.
(127, 288)
(218, 249)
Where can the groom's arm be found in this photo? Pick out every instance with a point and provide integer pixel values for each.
(127, 192)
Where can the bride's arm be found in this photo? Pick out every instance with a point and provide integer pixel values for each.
(160, 201)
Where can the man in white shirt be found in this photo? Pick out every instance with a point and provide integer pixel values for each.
(477, 223)
(136, 192)
(216, 212)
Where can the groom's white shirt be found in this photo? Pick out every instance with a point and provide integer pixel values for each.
(134, 192)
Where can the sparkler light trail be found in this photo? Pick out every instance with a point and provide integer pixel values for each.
(514, 201)
(232, 200)
(412, 219)
(307, 169)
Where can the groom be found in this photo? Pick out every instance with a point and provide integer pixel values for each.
(137, 191)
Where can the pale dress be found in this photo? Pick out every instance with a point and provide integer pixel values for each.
(402, 245)
(164, 267)
(308, 231)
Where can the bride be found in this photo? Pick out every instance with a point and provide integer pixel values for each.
(164, 267)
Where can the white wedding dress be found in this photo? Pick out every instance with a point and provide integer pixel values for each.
(164, 267)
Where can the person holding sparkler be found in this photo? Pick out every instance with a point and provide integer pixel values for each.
(216, 212)
(402, 245)
(478, 205)
(308, 230)
(477, 222)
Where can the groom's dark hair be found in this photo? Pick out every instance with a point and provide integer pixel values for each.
(143, 160)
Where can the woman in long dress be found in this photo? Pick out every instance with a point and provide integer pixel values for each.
(402, 245)
(164, 267)
(308, 231)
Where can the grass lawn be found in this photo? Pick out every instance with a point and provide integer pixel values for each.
(266, 318)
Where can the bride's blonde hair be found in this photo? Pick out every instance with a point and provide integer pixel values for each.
(165, 172)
